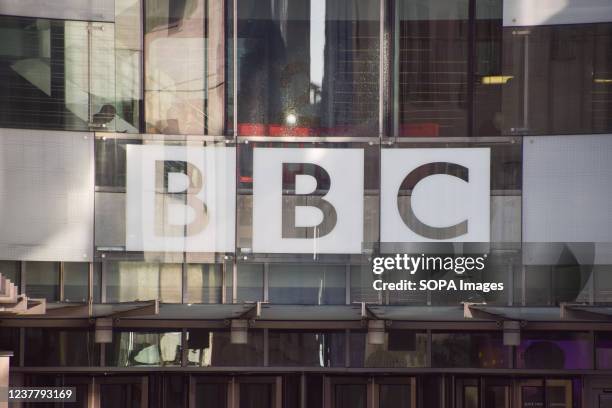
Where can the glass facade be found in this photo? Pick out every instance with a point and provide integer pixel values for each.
(195, 170)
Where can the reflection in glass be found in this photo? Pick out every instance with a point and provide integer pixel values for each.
(11, 270)
(128, 66)
(402, 348)
(308, 67)
(554, 350)
(300, 348)
(76, 281)
(144, 348)
(470, 396)
(43, 280)
(250, 282)
(560, 79)
(204, 283)
(473, 349)
(184, 67)
(432, 53)
(208, 348)
(48, 347)
(49, 78)
(603, 350)
(307, 284)
(132, 281)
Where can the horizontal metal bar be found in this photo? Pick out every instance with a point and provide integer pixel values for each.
(309, 139)
(322, 370)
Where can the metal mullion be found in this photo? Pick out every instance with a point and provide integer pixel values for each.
(471, 65)
(90, 282)
(61, 282)
(347, 283)
(103, 271)
(21, 357)
(266, 348)
(381, 70)
(428, 355)
(266, 282)
(235, 68)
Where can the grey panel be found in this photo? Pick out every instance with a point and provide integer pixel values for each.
(110, 220)
(567, 196)
(46, 195)
(506, 219)
(87, 10)
(548, 12)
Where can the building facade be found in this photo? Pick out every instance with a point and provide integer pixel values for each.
(193, 193)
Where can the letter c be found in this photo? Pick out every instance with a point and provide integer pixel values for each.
(410, 182)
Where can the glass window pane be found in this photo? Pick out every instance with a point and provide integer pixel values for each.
(97, 282)
(214, 348)
(126, 395)
(204, 283)
(128, 55)
(49, 79)
(487, 105)
(350, 396)
(307, 284)
(362, 280)
(308, 68)
(9, 341)
(184, 68)
(211, 395)
(402, 348)
(395, 396)
(48, 347)
(250, 282)
(76, 281)
(299, 348)
(132, 281)
(12, 271)
(603, 350)
(476, 350)
(256, 395)
(144, 348)
(42, 280)
(558, 79)
(432, 78)
(560, 350)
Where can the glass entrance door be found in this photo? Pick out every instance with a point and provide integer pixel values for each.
(396, 393)
(127, 392)
(209, 392)
(369, 392)
(545, 393)
(257, 392)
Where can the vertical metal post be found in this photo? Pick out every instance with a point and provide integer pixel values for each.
(381, 71)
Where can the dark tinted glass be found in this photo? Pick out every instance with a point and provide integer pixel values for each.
(477, 350)
(559, 79)
(76, 281)
(214, 348)
(59, 347)
(308, 68)
(555, 350)
(306, 349)
(42, 280)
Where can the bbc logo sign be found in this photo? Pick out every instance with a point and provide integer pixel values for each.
(305, 200)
